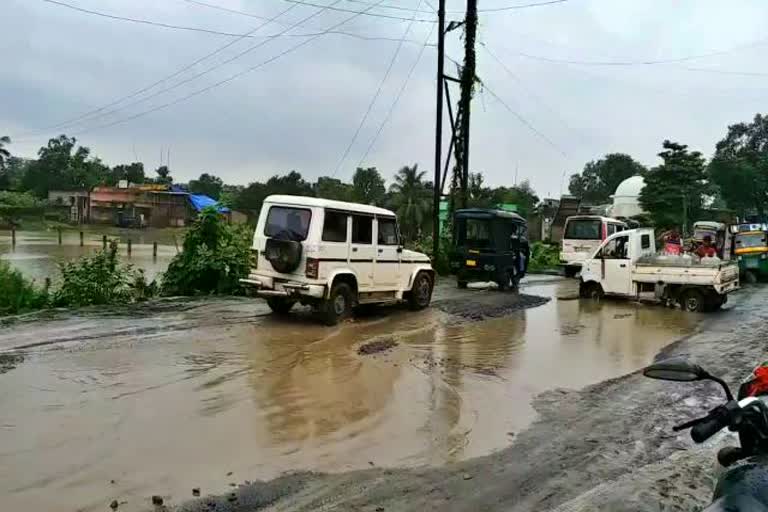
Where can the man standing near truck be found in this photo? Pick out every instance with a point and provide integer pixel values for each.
(706, 249)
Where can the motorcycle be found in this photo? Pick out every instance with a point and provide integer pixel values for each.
(743, 482)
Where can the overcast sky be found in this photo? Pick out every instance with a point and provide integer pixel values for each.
(301, 110)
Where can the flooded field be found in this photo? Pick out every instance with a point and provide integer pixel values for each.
(37, 253)
(211, 393)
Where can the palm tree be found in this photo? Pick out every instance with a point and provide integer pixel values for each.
(4, 153)
(411, 200)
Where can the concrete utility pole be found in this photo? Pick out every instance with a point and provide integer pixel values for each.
(438, 128)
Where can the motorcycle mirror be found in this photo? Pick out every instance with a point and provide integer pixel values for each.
(678, 370)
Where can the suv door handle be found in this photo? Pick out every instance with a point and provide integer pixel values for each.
(381, 251)
(354, 249)
(623, 265)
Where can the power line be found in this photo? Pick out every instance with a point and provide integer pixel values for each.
(162, 80)
(648, 62)
(378, 15)
(272, 19)
(520, 6)
(525, 121)
(397, 98)
(724, 71)
(531, 93)
(228, 79)
(375, 97)
(142, 21)
(490, 9)
(216, 66)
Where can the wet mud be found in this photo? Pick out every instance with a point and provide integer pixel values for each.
(9, 361)
(607, 447)
(487, 305)
(182, 394)
(375, 347)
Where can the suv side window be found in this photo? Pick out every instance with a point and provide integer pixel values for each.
(335, 227)
(362, 229)
(616, 249)
(387, 232)
(611, 229)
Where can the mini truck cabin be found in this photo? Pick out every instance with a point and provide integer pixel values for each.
(333, 256)
(489, 245)
(626, 265)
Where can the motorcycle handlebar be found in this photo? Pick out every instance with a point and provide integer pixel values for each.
(708, 428)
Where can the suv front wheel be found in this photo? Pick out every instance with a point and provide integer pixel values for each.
(421, 291)
(338, 305)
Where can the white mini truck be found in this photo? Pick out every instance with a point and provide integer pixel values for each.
(626, 265)
(333, 256)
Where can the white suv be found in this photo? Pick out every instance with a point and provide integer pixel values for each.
(333, 256)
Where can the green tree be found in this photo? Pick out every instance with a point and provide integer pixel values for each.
(412, 201)
(521, 195)
(674, 191)
(229, 195)
(12, 176)
(739, 167)
(599, 179)
(133, 173)
(368, 186)
(207, 184)
(4, 153)
(62, 165)
(213, 260)
(333, 188)
(163, 175)
(252, 196)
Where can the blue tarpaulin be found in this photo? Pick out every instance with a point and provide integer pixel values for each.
(200, 201)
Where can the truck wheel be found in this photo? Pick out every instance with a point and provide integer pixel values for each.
(338, 305)
(508, 280)
(461, 284)
(693, 300)
(279, 305)
(591, 291)
(421, 291)
(750, 277)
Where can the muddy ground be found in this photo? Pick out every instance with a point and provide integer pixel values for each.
(608, 447)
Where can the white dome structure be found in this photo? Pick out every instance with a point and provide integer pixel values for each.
(626, 199)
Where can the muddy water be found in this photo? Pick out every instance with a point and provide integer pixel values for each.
(37, 253)
(178, 397)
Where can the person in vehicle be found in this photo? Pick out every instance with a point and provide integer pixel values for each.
(672, 243)
(706, 249)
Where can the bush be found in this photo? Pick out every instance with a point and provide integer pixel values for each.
(214, 257)
(101, 279)
(544, 256)
(424, 245)
(18, 294)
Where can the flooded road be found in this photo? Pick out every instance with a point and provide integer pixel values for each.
(37, 253)
(179, 396)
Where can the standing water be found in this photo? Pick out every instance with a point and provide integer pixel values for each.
(38, 253)
(211, 392)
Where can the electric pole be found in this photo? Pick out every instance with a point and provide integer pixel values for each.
(467, 89)
(438, 128)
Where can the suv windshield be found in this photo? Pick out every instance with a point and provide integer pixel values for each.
(288, 223)
(583, 229)
(750, 240)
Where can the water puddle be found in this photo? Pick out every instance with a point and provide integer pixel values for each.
(179, 398)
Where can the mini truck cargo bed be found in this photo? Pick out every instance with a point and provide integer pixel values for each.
(723, 277)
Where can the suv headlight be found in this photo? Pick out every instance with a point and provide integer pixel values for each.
(254, 259)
